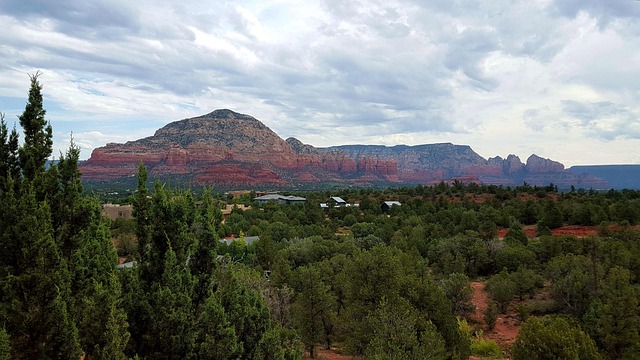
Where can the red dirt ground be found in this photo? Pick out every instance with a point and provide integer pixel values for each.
(507, 326)
(333, 354)
(576, 230)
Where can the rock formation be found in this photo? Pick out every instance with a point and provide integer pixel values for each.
(230, 149)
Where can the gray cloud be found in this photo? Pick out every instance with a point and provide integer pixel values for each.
(604, 119)
(407, 69)
(605, 11)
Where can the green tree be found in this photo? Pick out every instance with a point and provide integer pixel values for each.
(5, 347)
(502, 289)
(614, 320)
(171, 334)
(552, 216)
(35, 287)
(313, 307)
(491, 315)
(573, 282)
(217, 338)
(515, 234)
(398, 334)
(202, 264)
(245, 308)
(458, 290)
(9, 160)
(38, 142)
(553, 338)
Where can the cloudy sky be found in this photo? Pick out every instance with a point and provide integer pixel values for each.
(558, 78)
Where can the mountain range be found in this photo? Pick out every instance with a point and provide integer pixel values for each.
(229, 149)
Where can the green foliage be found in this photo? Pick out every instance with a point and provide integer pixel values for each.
(485, 348)
(314, 307)
(5, 346)
(553, 338)
(614, 320)
(216, 335)
(491, 315)
(574, 279)
(502, 289)
(398, 334)
(458, 290)
(37, 131)
(513, 256)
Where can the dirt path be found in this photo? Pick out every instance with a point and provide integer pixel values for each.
(507, 326)
(332, 354)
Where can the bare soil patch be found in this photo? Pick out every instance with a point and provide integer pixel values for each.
(507, 325)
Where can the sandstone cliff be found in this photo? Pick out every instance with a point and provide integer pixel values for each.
(231, 149)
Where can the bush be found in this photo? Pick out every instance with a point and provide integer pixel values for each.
(553, 337)
(491, 315)
(485, 348)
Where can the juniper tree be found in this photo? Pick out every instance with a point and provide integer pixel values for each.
(38, 138)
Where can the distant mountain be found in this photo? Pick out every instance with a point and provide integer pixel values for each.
(230, 149)
(617, 176)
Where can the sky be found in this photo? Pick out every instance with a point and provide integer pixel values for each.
(558, 78)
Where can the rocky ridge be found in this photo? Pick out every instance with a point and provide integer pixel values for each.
(231, 149)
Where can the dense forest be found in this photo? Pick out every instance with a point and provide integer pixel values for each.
(376, 283)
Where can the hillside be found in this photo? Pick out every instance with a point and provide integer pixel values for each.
(231, 149)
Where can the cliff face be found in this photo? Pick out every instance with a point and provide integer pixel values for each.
(231, 149)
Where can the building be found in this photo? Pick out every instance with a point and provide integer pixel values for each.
(247, 240)
(114, 211)
(280, 199)
(387, 205)
(229, 208)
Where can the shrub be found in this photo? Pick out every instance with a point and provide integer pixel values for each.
(485, 348)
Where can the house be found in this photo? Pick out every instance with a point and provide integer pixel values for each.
(280, 199)
(247, 240)
(335, 201)
(127, 265)
(387, 205)
(229, 208)
(114, 211)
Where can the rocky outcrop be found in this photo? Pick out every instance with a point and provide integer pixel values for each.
(538, 165)
(231, 149)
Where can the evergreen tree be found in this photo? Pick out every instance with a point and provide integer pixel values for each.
(37, 131)
(553, 338)
(202, 264)
(9, 163)
(36, 290)
(171, 332)
(5, 347)
(614, 320)
(217, 338)
(314, 306)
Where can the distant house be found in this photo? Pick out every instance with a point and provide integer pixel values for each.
(247, 240)
(387, 205)
(229, 208)
(114, 211)
(127, 265)
(280, 199)
(338, 201)
(335, 201)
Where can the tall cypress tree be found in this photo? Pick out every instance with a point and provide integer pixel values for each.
(38, 137)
